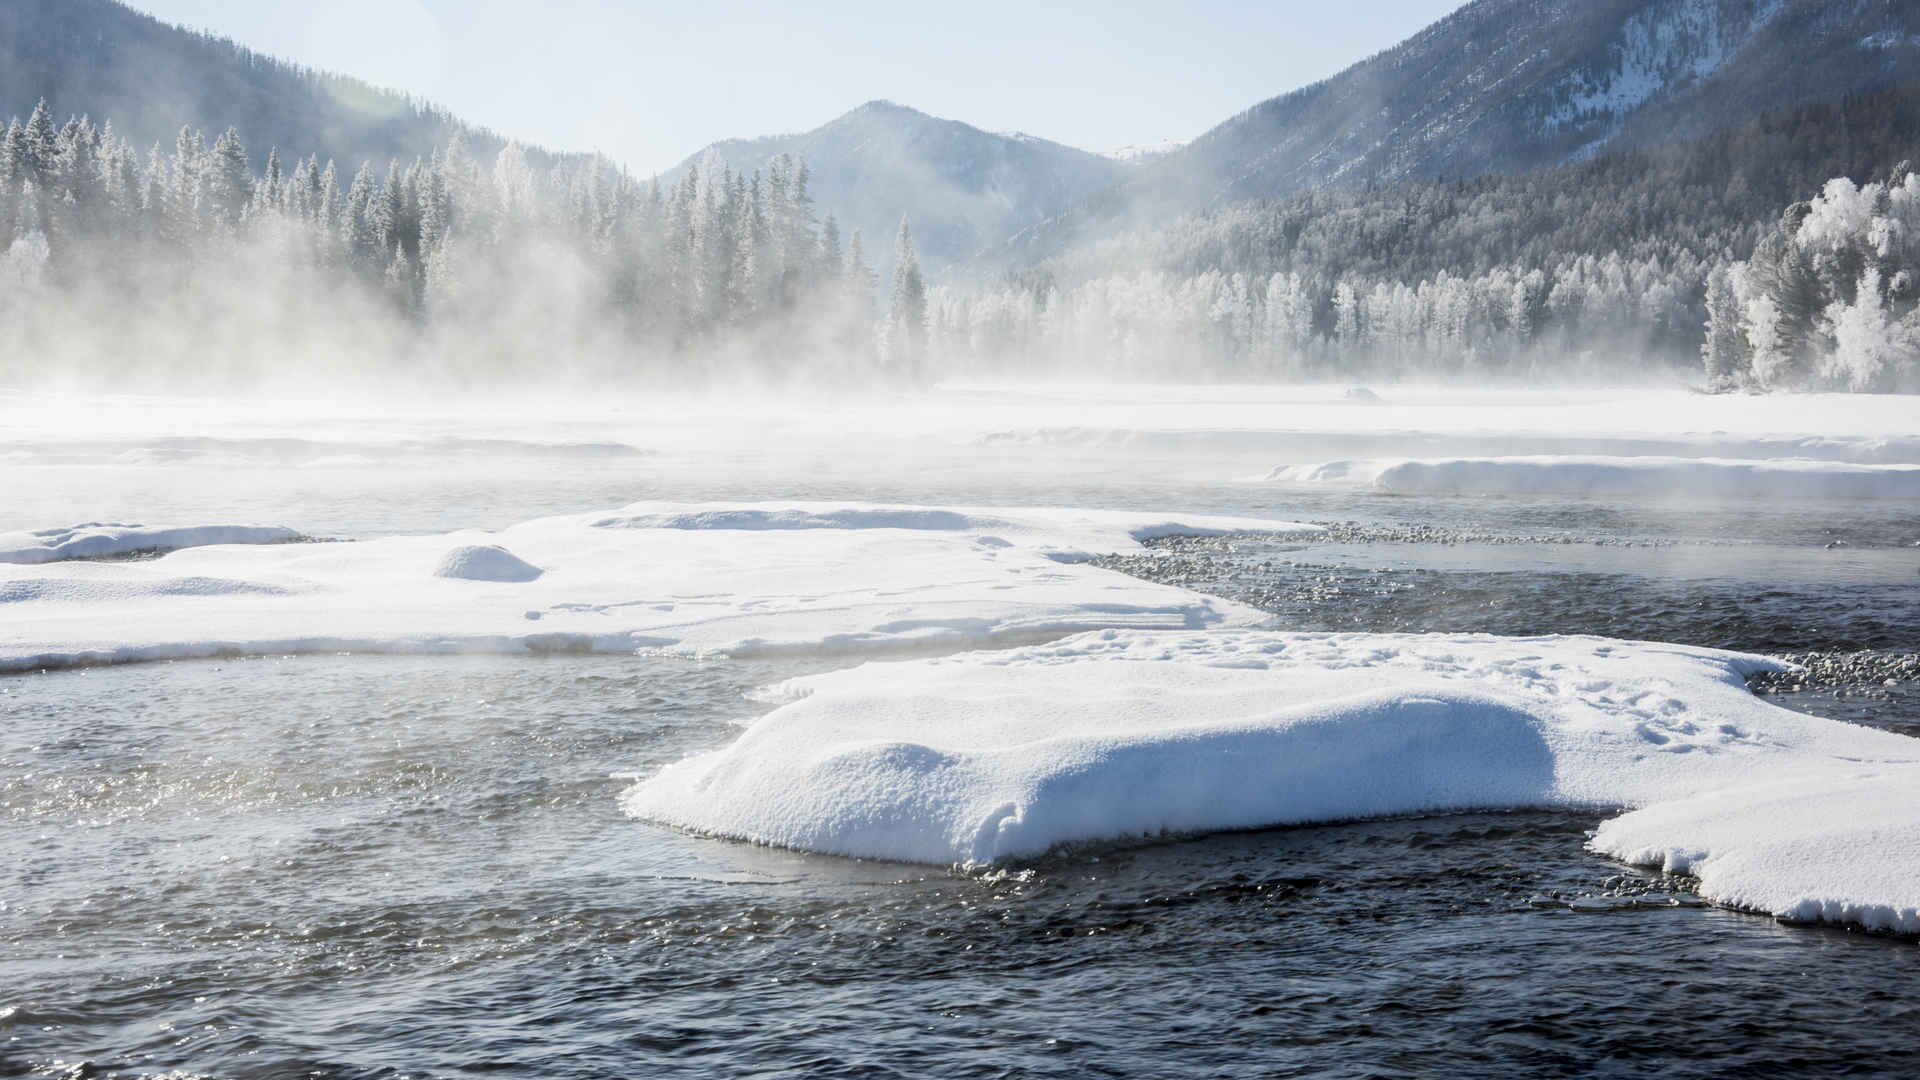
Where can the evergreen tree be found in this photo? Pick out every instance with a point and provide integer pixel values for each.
(359, 231)
(273, 194)
(832, 259)
(907, 310)
(13, 178)
(42, 155)
(229, 186)
(1725, 350)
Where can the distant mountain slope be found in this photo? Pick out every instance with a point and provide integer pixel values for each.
(104, 59)
(1508, 85)
(965, 189)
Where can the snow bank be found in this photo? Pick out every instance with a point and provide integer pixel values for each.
(1708, 477)
(1118, 735)
(733, 578)
(485, 562)
(107, 539)
(1839, 845)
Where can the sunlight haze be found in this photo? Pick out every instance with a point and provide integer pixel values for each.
(649, 84)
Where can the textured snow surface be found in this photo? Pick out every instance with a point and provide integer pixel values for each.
(1711, 477)
(107, 539)
(732, 578)
(1123, 735)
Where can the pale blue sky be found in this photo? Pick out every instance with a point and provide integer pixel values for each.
(649, 83)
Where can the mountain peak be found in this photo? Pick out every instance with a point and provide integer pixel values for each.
(884, 107)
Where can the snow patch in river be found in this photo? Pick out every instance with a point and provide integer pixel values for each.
(1644, 476)
(112, 539)
(1126, 735)
(696, 579)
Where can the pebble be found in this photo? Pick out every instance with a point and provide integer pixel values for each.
(1833, 670)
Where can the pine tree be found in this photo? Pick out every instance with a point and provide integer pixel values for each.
(42, 162)
(907, 311)
(229, 186)
(832, 259)
(13, 178)
(189, 169)
(327, 210)
(42, 146)
(390, 211)
(359, 234)
(272, 190)
(799, 245)
(1724, 352)
(436, 210)
(155, 206)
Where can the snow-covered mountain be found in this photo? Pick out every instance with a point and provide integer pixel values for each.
(103, 59)
(965, 189)
(1508, 85)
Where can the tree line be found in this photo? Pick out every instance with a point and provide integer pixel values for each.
(1604, 267)
(479, 266)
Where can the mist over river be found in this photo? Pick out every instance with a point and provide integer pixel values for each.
(348, 865)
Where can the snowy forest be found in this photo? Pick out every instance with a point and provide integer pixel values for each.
(1654, 261)
(200, 260)
(189, 257)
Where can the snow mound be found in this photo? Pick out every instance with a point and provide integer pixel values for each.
(108, 539)
(485, 562)
(1569, 475)
(646, 577)
(1116, 736)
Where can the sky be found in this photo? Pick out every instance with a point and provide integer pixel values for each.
(650, 83)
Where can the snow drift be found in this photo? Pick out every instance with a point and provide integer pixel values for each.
(1126, 735)
(1645, 476)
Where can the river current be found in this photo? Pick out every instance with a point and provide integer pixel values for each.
(340, 866)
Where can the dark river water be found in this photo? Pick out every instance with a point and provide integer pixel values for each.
(338, 866)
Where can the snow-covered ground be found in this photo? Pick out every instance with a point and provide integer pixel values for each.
(1639, 476)
(687, 578)
(1124, 735)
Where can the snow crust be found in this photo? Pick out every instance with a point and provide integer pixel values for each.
(108, 539)
(1595, 475)
(1123, 735)
(702, 578)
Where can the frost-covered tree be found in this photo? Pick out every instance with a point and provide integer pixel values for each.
(906, 308)
(228, 184)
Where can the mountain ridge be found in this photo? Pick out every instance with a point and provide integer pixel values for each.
(966, 189)
(1503, 86)
(107, 60)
